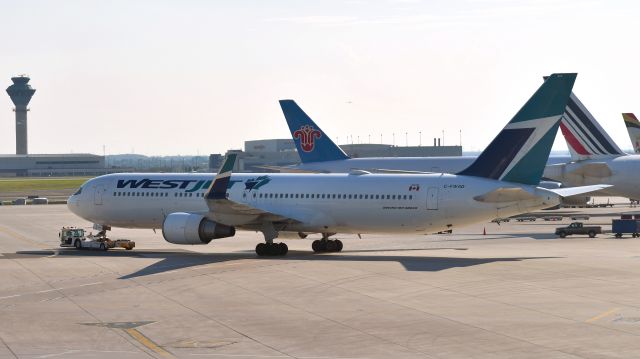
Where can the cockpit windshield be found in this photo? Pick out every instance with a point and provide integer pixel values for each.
(78, 191)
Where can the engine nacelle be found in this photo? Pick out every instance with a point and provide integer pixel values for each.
(189, 228)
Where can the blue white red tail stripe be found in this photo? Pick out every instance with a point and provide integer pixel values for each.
(584, 135)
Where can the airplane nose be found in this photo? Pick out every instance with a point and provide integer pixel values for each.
(72, 203)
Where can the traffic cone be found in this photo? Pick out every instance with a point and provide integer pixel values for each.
(484, 231)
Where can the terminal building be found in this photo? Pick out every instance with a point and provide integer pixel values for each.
(282, 152)
(51, 165)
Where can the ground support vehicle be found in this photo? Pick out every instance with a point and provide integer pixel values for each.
(578, 228)
(625, 226)
(75, 237)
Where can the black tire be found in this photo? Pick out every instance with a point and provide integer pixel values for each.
(284, 249)
(316, 246)
(338, 245)
(592, 234)
(618, 235)
(261, 249)
(103, 247)
(77, 244)
(331, 246)
(562, 234)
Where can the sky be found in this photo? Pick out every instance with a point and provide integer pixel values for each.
(197, 77)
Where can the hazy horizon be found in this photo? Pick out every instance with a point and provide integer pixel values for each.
(175, 77)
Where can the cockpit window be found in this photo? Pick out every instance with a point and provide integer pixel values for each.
(78, 191)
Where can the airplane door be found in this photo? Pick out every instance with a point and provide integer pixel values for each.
(97, 197)
(432, 198)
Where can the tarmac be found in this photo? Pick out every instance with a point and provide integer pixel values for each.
(516, 292)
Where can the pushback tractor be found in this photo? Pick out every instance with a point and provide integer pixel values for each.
(75, 237)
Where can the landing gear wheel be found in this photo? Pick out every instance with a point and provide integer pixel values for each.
(284, 249)
(331, 246)
(261, 249)
(77, 244)
(326, 245)
(271, 249)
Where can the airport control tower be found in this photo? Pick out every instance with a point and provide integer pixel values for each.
(20, 93)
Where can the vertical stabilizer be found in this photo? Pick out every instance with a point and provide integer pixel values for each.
(312, 143)
(585, 137)
(633, 127)
(520, 151)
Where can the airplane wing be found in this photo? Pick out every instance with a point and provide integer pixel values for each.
(224, 210)
(574, 191)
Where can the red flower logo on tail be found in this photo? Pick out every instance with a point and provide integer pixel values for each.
(307, 135)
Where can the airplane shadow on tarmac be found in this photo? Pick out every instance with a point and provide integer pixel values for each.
(179, 259)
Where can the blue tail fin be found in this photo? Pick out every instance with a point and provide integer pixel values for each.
(312, 143)
(520, 151)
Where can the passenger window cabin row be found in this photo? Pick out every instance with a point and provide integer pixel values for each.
(276, 195)
(330, 196)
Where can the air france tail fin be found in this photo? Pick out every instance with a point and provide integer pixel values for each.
(633, 127)
(585, 137)
(312, 143)
(520, 151)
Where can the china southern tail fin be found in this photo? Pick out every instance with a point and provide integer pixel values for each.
(585, 137)
(312, 143)
(520, 151)
(633, 127)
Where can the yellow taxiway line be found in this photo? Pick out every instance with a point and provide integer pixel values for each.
(602, 315)
(142, 339)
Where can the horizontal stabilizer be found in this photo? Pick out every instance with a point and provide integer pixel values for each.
(597, 169)
(574, 191)
(505, 194)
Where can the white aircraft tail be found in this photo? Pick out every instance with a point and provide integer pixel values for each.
(585, 137)
(633, 127)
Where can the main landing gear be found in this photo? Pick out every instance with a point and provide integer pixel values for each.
(269, 248)
(326, 245)
(272, 249)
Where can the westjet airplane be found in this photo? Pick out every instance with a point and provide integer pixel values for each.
(595, 157)
(193, 209)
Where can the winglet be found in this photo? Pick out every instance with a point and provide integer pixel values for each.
(218, 189)
(633, 127)
(520, 151)
(312, 143)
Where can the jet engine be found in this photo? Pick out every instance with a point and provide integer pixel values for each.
(189, 228)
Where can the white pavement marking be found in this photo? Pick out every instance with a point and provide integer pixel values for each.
(50, 290)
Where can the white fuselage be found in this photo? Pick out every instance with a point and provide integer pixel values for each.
(623, 174)
(344, 203)
(452, 164)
